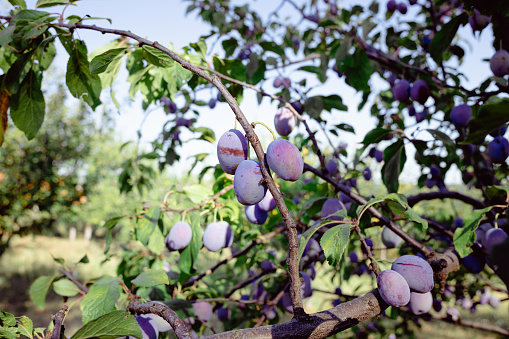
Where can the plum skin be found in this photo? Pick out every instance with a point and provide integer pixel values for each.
(217, 235)
(420, 303)
(247, 183)
(401, 91)
(179, 237)
(232, 149)
(203, 310)
(255, 214)
(285, 159)
(390, 239)
(148, 327)
(284, 121)
(417, 272)
(393, 288)
(499, 63)
(268, 203)
(498, 150)
(420, 92)
(460, 115)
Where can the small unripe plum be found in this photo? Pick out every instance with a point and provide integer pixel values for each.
(255, 214)
(330, 206)
(331, 166)
(391, 6)
(420, 303)
(203, 310)
(148, 327)
(393, 288)
(224, 313)
(217, 235)
(179, 237)
(499, 63)
(354, 259)
(284, 121)
(212, 103)
(366, 173)
(460, 115)
(492, 238)
(285, 159)
(247, 183)
(232, 149)
(390, 239)
(498, 150)
(453, 313)
(417, 272)
(402, 8)
(499, 132)
(287, 83)
(267, 203)
(401, 91)
(420, 91)
(478, 22)
(278, 82)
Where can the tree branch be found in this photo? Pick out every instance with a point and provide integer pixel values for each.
(414, 199)
(58, 320)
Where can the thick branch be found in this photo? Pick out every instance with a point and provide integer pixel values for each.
(163, 311)
(414, 199)
(471, 324)
(58, 320)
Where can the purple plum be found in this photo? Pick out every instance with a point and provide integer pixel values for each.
(498, 150)
(460, 115)
(247, 183)
(366, 173)
(148, 327)
(331, 166)
(478, 22)
(391, 6)
(420, 91)
(390, 239)
(417, 272)
(393, 288)
(420, 303)
(232, 149)
(401, 91)
(179, 237)
(284, 121)
(268, 203)
(224, 313)
(285, 160)
(255, 214)
(203, 310)
(402, 8)
(217, 235)
(499, 63)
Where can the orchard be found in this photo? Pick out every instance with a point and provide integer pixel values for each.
(288, 232)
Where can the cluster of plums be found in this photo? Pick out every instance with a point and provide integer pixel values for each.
(282, 82)
(408, 282)
(392, 6)
(217, 235)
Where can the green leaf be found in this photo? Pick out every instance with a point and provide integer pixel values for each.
(100, 299)
(39, 289)
(346, 128)
(189, 255)
(255, 69)
(7, 319)
(197, 193)
(229, 46)
(201, 48)
(65, 288)
(314, 106)
(80, 82)
(443, 38)
(20, 3)
(318, 70)
(464, 237)
(8, 332)
(272, 47)
(334, 243)
(16, 72)
(334, 101)
(157, 57)
(151, 278)
(6, 35)
(146, 225)
(491, 115)
(156, 241)
(394, 161)
(359, 71)
(376, 135)
(25, 326)
(110, 326)
(101, 62)
(50, 3)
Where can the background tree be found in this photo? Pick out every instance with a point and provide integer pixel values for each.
(329, 207)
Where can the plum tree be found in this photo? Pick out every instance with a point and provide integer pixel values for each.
(179, 237)
(232, 149)
(284, 121)
(247, 184)
(420, 303)
(499, 63)
(217, 235)
(417, 272)
(393, 288)
(285, 160)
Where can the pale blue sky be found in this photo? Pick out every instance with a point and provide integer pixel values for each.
(165, 22)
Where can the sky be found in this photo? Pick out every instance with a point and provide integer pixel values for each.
(165, 21)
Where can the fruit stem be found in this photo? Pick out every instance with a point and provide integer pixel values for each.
(267, 127)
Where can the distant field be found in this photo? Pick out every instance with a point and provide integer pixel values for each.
(30, 257)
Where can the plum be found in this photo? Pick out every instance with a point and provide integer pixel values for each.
(170, 106)
(499, 132)
(331, 166)
(494, 302)
(297, 106)
(224, 313)
(217, 235)
(203, 310)
(270, 312)
(391, 79)
(278, 82)
(453, 313)
(148, 327)
(420, 92)
(161, 324)
(212, 103)
(478, 22)
(411, 110)
(287, 83)
(499, 63)
(393, 288)
(460, 115)
(391, 6)
(492, 238)
(402, 8)
(458, 223)
(401, 91)
(255, 214)
(285, 160)
(474, 262)
(232, 149)
(354, 259)
(378, 155)
(267, 265)
(247, 183)
(330, 206)
(243, 306)
(368, 242)
(306, 290)
(286, 302)
(338, 291)
(179, 237)
(268, 203)
(437, 305)
(420, 116)
(390, 239)
(417, 272)
(498, 150)
(466, 303)
(284, 121)
(336, 302)
(366, 173)
(312, 248)
(434, 170)
(485, 299)
(333, 9)
(420, 303)
(183, 122)
(219, 97)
